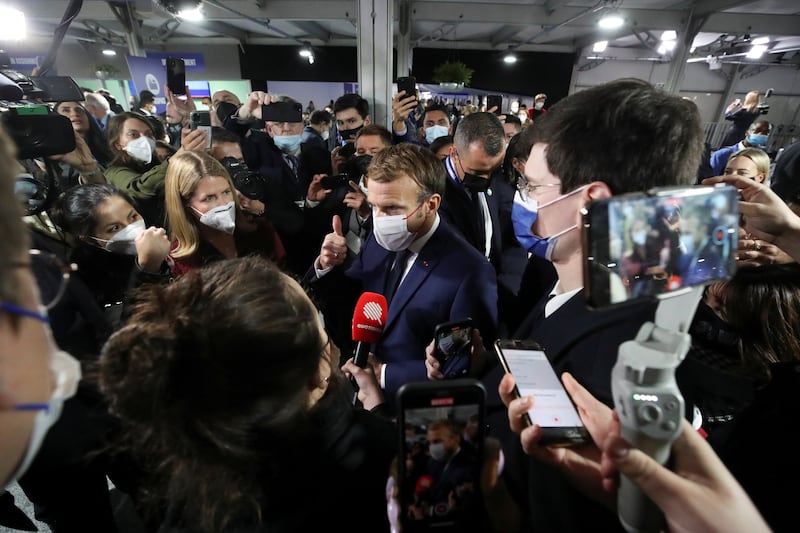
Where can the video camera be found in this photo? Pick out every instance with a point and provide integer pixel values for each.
(37, 131)
(248, 182)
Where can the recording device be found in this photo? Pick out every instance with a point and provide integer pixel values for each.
(647, 245)
(553, 409)
(251, 184)
(369, 318)
(347, 150)
(650, 408)
(176, 75)
(763, 106)
(201, 120)
(335, 180)
(407, 84)
(282, 112)
(494, 100)
(438, 488)
(452, 346)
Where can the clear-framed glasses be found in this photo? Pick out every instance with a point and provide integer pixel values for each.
(528, 191)
(51, 273)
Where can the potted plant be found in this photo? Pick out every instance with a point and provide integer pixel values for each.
(104, 71)
(452, 75)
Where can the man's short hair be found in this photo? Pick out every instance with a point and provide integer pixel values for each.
(222, 136)
(320, 117)
(761, 125)
(376, 129)
(146, 97)
(418, 163)
(625, 133)
(97, 101)
(438, 107)
(484, 128)
(346, 101)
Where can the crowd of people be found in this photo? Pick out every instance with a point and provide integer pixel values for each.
(195, 346)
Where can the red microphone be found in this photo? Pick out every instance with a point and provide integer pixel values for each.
(369, 318)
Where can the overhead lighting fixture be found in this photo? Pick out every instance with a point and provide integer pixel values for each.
(308, 53)
(12, 24)
(185, 9)
(192, 15)
(760, 40)
(510, 58)
(669, 35)
(109, 52)
(611, 21)
(757, 51)
(600, 46)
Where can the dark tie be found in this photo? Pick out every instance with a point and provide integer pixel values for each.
(395, 274)
(480, 228)
(292, 162)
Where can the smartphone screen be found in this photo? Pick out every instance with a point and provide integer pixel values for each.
(553, 410)
(176, 75)
(453, 346)
(645, 245)
(441, 428)
(282, 112)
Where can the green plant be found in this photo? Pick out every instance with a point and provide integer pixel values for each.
(105, 68)
(453, 72)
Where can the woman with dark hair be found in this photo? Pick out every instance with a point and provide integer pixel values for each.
(87, 163)
(135, 168)
(86, 126)
(115, 251)
(248, 423)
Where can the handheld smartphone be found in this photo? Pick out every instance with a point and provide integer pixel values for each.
(452, 346)
(552, 409)
(335, 180)
(201, 120)
(496, 101)
(647, 245)
(176, 75)
(441, 428)
(407, 84)
(282, 112)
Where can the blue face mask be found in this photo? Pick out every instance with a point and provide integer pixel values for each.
(524, 214)
(434, 132)
(757, 139)
(288, 143)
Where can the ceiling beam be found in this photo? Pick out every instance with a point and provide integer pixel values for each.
(707, 7)
(551, 5)
(504, 34)
(215, 26)
(313, 29)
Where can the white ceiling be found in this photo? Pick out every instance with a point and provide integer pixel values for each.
(533, 25)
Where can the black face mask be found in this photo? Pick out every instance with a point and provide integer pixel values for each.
(349, 135)
(710, 330)
(475, 183)
(224, 110)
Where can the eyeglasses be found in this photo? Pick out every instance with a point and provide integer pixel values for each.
(51, 275)
(528, 191)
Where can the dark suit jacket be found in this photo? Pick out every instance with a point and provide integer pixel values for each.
(448, 281)
(583, 342)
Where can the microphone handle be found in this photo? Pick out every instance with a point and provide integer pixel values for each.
(361, 354)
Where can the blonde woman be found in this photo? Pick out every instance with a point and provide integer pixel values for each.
(750, 163)
(742, 115)
(203, 215)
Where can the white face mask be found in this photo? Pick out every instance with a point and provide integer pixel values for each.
(222, 218)
(326, 135)
(538, 105)
(391, 231)
(437, 450)
(141, 149)
(66, 375)
(123, 241)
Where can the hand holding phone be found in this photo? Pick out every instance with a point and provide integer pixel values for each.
(453, 346)
(408, 84)
(282, 112)
(176, 75)
(494, 101)
(201, 120)
(335, 181)
(553, 410)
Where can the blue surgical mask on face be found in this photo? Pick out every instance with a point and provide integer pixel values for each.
(757, 139)
(288, 143)
(434, 132)
(524, 214)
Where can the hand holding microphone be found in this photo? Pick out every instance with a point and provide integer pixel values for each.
(369, 319)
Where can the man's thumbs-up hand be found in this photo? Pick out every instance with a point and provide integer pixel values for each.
(334, 247)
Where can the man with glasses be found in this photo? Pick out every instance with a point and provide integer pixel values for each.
(621, 137)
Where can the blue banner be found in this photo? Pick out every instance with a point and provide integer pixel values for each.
(194, 62)
(147, 73)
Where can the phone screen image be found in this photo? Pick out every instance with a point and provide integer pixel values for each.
(441, 450)
(453, 346)
(644, 245)
(176, 75)
(535, 377)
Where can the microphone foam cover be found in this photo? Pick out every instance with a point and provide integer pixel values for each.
(369, 317)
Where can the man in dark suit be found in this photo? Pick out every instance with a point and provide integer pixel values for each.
(478, 200)
(591, 145)
(441, 277)
(289, 165)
